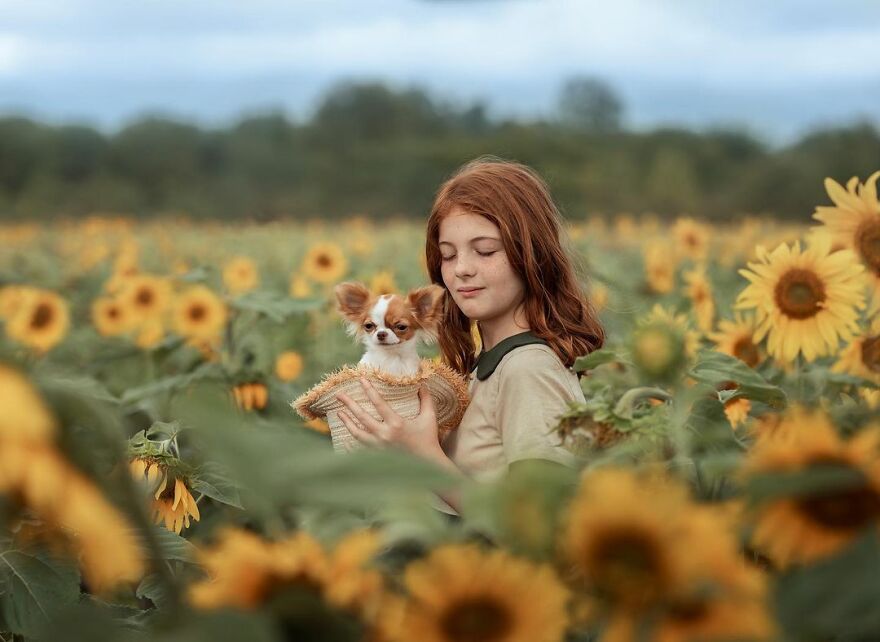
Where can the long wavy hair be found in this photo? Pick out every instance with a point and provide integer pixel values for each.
(518, 201)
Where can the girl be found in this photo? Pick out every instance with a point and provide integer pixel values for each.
(493, 241)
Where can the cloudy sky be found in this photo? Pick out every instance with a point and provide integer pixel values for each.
(777, 68)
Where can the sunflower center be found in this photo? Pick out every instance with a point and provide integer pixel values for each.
(868, 242)
(848, 509)
(746, 351)
(871, 353)
(628, 566)
(42, 316)
(113, 312)
(799, 293)
(197, 312)
(145, 297)
(478, 620)
(324, 260)
(689, 611)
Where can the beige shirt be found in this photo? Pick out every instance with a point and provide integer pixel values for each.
(512, 414)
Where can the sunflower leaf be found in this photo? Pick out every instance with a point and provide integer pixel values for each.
(36, 587)
(596, 358)
(717, 369)
(275, 306)
(212, 481)
(835, 598)
(817, 480)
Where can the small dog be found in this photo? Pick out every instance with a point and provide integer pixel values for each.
(390, 326)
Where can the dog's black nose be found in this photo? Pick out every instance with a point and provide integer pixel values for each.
(381, 334)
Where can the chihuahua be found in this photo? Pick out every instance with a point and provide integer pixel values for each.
(390, 325)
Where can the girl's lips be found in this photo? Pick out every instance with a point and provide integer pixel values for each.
(470, 292)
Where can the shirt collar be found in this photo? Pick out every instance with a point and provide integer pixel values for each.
(487, 361)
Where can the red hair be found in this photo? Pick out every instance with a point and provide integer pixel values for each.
(518, 201)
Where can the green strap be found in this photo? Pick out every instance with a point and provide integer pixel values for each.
(488, 361)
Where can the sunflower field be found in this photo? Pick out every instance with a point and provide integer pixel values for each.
(155, 483)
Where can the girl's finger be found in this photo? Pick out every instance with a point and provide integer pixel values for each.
(357, 432)
(357, 410)
(385, 411)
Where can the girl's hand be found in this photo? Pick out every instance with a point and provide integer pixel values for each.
(418, 435)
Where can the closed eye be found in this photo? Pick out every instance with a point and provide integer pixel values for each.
(487, 253)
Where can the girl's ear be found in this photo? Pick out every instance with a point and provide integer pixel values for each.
(427, 304)
(352, 298)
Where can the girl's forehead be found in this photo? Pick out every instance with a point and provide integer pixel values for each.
(461, 227)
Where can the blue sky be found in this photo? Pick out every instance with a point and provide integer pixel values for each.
(777, 68)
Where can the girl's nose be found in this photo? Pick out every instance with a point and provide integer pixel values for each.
(463, 266)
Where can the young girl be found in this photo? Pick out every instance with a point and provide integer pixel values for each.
(493, 241)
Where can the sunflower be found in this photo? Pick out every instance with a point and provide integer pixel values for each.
(41, 320)
(691, 238)
(621, 538)
(361, 245)
(25, 416)
(248, 572)
(854, 220)
(735, 338)
(324, 263)
(11, 297)
(250, 396)
(146, 296)
(110, 317)
(460, 592)
(682, 559)
(383, 283)
(150, 334)
(199, 314)
(659, 267)
(699, 291)
(173, 504)
(805, 300)
(599, 296)
(318, 425)
(861, 357)
(299, 287)
(820, 522)
(663, 342)
(240, 275)
(737, 411)
(41, 479)
(288, 365)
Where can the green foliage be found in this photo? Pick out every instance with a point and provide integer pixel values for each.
(403, 144)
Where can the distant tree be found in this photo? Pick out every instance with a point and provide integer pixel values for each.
(373, 112)
(591, 105)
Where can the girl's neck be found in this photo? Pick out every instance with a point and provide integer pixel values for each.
(495, 331)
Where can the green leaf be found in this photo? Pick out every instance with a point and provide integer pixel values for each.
(173, 546)
(169, 384)
(834, 599)
(277, 466)
(162, 431)
(275, 306)
(37, 586)
(715, 369)
(213, 481)
(594, 359)
(817, 480)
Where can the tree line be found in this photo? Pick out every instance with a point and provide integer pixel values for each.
(370, 149)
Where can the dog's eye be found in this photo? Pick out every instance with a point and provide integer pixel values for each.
(369, 327)
(400, 327)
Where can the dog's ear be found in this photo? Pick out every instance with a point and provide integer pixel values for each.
(427, 304)
(351, 298)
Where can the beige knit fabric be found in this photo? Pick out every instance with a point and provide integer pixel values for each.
(447, 387)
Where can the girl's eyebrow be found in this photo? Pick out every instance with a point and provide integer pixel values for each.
(473, 240)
